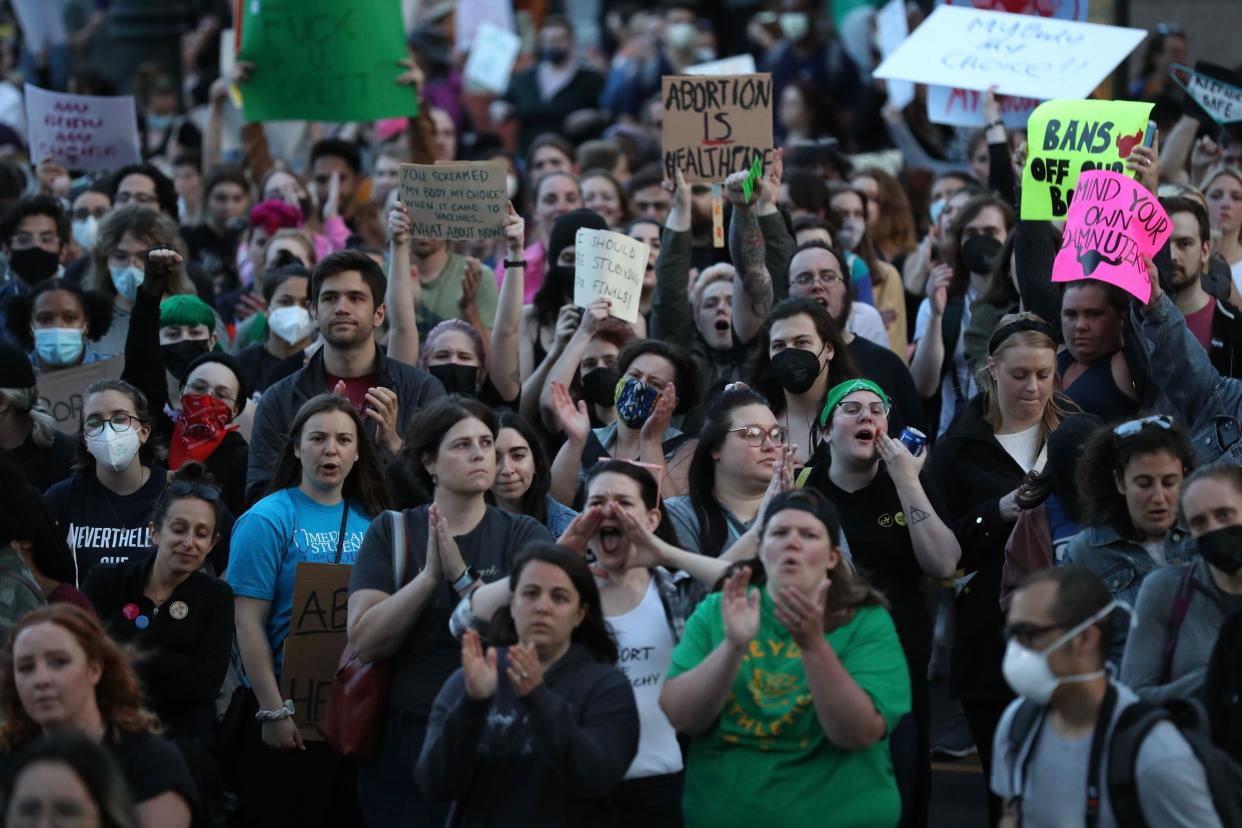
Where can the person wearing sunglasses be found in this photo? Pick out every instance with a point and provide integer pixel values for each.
(104, 507)
(739, 446)
(175, 614)
(1129, 477)
(890, 517)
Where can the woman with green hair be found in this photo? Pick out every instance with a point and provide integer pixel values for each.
(196, 392)
(896, 538)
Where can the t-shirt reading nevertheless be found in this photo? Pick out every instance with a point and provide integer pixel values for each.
(768, 749)
(103, 527)
(430, 654)
(279, 532)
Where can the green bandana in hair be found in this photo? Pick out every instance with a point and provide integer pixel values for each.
(840, 392)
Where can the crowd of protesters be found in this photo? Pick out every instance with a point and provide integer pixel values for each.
(707, 568)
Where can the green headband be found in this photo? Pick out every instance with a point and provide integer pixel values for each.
(186, 310)
(840, 392)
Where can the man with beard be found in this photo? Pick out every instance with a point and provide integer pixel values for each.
(347, 300)
(1216, 324)
(451, 286)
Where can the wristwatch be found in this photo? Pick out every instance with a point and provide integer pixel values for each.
(466, 580)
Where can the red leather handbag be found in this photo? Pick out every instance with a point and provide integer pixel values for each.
(353, 721)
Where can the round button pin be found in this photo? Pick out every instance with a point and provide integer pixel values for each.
(130, 611)
(142, 622)
(178, 610)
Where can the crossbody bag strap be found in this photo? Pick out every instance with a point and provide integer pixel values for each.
(1103, 725)
(340, 535)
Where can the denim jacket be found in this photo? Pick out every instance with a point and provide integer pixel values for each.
(1208, 403)
(1122, 564)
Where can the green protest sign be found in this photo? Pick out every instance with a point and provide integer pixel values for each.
(1067, 138)
(324, 60)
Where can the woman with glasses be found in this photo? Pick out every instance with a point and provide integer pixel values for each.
(979, 464)
(896, 539)
(739, 447)
(327, 488)
(119, 260)
(104, 508)
(1128, 483)
(176, 615)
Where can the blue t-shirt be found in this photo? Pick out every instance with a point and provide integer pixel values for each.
(269, 541)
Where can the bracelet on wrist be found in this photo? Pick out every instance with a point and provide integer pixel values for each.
(514, 263)
(996, 123)
(282, 712)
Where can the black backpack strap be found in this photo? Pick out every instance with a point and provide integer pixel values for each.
(1133, 725)
(951, 332)
(1027, 719)
(1103, 722)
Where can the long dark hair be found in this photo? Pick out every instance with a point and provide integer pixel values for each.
(647, 486)
(839, 369)
(91, 764)
(364, 485)
(960, 282)
(534, 503)
(24, 516)
(713, 528)
(1105, 457)
(150, 453)
(593, 633)
(428, 427)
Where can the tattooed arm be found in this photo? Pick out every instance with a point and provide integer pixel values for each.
(752, 286)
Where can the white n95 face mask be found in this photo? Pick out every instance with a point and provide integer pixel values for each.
(292, 324)
(1028, 673)
(116, 451)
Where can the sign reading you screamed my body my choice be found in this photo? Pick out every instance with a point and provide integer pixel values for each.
(456, 200)
(1068, 138)
(324, 60)
(716, 125)
(609, 265)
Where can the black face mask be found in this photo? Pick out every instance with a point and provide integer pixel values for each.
(178, 356)
(34, 264)
(563, 277)
(599, 386)
(979, 253)
(554, 56)
(1222, 548)
(796, 369)
(457, 379)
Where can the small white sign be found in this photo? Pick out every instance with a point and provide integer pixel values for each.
(740, 65)
(609, 265)
(491, 60)
(1025, 56)
(891, 30)
(83, 132)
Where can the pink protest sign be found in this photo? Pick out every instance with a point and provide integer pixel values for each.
(83, 132)
(1113, 223)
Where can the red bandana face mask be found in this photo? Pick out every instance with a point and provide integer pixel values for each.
(203, 424)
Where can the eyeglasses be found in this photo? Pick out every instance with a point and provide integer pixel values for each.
(184, 488)
(1133, 427)
(23, 241)
(126, 196)
(754, 434)
(120, 422)
(1025, 633)
(201, 387)
(853, 408)
(83, 213)
(808, 279)
(119, 258)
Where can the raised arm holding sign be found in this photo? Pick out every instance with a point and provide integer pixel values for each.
(82, 132)
(456, 200)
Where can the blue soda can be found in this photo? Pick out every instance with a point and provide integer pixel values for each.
(914, 440)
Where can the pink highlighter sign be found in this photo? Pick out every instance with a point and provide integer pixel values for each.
(1113, 223)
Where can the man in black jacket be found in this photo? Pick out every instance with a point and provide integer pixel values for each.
(1214, 322)
(346, 294)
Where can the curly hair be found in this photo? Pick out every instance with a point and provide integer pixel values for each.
(117, 694)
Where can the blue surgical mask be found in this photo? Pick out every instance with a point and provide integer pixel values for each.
(159, 121)
(635, 401)
(935, 208)
(126, 280)
(58, 346)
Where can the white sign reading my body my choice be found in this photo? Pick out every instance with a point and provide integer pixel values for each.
(609, 265)
(1025, 56)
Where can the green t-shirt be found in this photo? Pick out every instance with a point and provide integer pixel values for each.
(766, 761)
(439, 300)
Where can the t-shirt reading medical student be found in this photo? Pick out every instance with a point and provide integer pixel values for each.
(104, 527)
(269, 541)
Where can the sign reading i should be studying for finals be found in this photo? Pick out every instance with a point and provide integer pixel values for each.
(456, 200)
(716, 125)
(82, 132)
(1068, 138)
(324, 60)
(1025, 56)
(609, 265)
(1113, 223)
(317, 637)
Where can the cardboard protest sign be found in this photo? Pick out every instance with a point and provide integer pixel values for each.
(891, 30)
(1221, 101)
(83, 132)
(60, 392)
(716, 125)
(456, 200)
(1067, 138)
(317, 637)
(1059, 9)
(739, 65)
(1024, 56)
(491, 58)
(964, 107)
(1113, 223)
(324, 60)
(610, 265)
